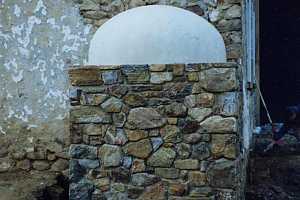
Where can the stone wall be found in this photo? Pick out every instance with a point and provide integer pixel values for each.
(42, 37)
(155, 132)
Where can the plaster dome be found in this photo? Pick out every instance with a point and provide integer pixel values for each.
(156, 34)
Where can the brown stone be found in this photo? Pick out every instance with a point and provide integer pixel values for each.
(163, 157)
(178, 70)
(197, 178)
(24, 164)
(41, 165)
(140, 149)
(171, 133)
(134, 99)
(199, 114)
(199, 100)
(138, 165)
(224, 145)
(60, 165)
(110, 155)
(102, 184)
(135, 135)
(218, 124)
(154, 192)
(176, 110)
(187, 164)
(85, 76)
(157, 68)
(177, 188)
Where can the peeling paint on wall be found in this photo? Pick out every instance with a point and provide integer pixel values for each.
(39, 39)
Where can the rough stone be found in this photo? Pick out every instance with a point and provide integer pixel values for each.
(119, 119)
(111, 77)
(135, 135)
(187, 164)
(227, 104)
(199, 100)
(183, 150)
(134, 99)
(134, 191)
(110, 155)
(92, 99)
(85, 76)
(40, 165)
(197, 178)
(161, 77)
(177, 188)
(218, 124)
(223, 145)
(201, 192)
(102, 184)
(157, 68)
(219, 79)
(144, 179)
(115, 136)
(156, 192)
(112, 105)
(163, 157)
(140, 149)
(200, 151)
(156, 143)
(188, 126)
(60, 165)
(145, 118)
(193, 76)
(194, 138)
(85, 114)
(171, 133)
(81, 190)
(24, 164)
(89, 164)
(199, 114)
(83, 151)
(178, 70)
(138, 165)
(233, 12)
(136, 74)
(127, 162)
(222, 173)
(5, 164)
(176, 110)
(168, 173)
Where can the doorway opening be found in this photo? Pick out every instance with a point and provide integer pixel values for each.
(279, 56)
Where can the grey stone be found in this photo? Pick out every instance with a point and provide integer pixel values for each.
(183, 150)
(83, 151)
(110, 155)
(5, 164)
(115, 136)
(139, 149)
(186, 164)
(169, 173)
(161, 77)
(199, 114)
(119, 119)
(171, 133)
(41, 165)
(144, 179)
(112, 105)
(145, 118)
(163, 157)
(176, 110)
(199, 100)
(156, 143)
(200, 151)
(227, 104)
(233, 12)
(86, 114)
(127, 162)
(111, 77)
(89, 164)
(81, 190)
(60, 165)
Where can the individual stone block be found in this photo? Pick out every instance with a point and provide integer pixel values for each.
(218, 124)
(60, 165)
(83, 189)
(41, 165)
(92, 99)
(127, 162)
(110, 155)
(219, 79)
(178, 70)
(37, 154)
(199, 100)
(89, 164)
(140, 149)
(193, 76)
(171, 133)
(111, 77)
(112, 105)
(222, 173)
(163, 157)
(168, 173)
(187, 164)
(177, 188)
(156, 191)
(134, 99)
(161, 77)
(5, 164)
(85, 76)
(233, 12)
(156, 143)
(224, 145)
(194, 138)
(157, 68)
(144, 118)
(183, 150)
(199, 114)
(138, 165)
(85, 114)
(102, 184)
(115, 136)
(81, 151)
(175, 110)
(144, 179)
(136, 74)
(200, 151)
(23, 164)
(201, 192)
(119, 119)
(227, 104)
(197, 178)
(135, 135)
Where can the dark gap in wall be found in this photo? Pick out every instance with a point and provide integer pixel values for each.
(279, 56)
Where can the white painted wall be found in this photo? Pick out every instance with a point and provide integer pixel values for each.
(156, 35)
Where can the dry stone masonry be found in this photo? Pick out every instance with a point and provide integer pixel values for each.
(155, 132)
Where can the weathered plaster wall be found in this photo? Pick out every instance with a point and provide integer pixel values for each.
(38, 39)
